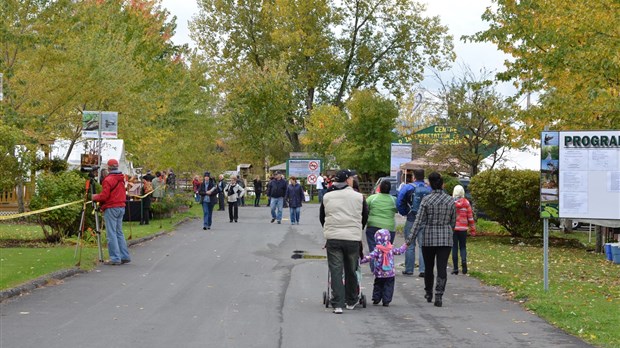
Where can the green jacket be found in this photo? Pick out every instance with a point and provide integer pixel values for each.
(382, 207)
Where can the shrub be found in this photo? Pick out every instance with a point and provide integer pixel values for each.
(56, 189)
(510, 197)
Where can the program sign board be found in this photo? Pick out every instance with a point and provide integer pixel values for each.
(100, 124)
(589, 175)
(309, 169)
(400, 153)
(549, 175)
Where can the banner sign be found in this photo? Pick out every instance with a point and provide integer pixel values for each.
(400, 153)
(100, 124)
(109, 124)
(304, 168)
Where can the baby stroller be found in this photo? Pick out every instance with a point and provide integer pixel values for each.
(361, 297)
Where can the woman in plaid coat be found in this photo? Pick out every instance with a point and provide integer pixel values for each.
(437, 216)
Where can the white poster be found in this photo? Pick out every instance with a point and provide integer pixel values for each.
(401, 153)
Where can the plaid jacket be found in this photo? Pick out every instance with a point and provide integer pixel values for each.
(437, 215)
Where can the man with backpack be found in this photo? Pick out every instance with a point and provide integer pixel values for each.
(408, 203)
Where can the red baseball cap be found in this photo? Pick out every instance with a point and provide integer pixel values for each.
(112, 163)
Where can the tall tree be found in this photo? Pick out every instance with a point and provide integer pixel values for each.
(567, 50)
(368, 134)
(328, 48)
(483, 119)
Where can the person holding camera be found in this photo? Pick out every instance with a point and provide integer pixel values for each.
(112, 200)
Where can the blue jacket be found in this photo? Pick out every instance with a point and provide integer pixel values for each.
(294, 195)
(404, 199)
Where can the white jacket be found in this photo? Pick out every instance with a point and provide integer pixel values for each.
(238, 192)
(343, 214)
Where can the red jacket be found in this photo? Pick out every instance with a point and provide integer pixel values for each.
(464, 216)
(113, 193)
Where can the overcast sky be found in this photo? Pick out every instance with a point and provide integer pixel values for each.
(462, 18)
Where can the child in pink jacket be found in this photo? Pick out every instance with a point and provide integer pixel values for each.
(464, 221)
(383, 261)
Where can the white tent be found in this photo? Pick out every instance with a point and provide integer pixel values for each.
(110, 148)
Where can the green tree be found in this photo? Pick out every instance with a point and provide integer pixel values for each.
(483, 119)
(324, 132)
(368, 133)
(565, 50)
(328, 48)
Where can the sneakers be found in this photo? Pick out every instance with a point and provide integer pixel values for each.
(279, 222)
(338, 310)
(350, 307)
(111, 263)
(407, 273)
(272, 220)
(125, 261)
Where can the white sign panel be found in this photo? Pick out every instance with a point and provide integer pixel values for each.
(401, 153)
(304, 168)
(109, 124)
(589, 174)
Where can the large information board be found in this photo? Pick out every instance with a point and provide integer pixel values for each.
(589, 174)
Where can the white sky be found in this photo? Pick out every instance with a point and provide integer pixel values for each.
(462, 18)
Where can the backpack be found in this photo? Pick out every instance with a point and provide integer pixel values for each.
(148, 187)
(420, 190)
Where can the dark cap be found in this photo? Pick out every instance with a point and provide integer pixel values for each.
(207, 174)
(278, 172)
(344, 174)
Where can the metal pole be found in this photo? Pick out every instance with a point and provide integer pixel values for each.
(546, 253)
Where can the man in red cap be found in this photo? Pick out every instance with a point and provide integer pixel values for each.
(112, 199)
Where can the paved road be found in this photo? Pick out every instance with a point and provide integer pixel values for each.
(237, 286)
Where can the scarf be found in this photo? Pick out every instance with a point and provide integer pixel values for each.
(385, 250)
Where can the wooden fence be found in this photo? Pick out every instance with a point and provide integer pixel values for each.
(8, 199)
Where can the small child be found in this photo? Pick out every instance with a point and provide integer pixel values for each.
(383, 261)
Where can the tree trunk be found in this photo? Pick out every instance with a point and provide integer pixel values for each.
(599, 239)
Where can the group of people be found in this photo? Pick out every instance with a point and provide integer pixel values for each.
(437, 221)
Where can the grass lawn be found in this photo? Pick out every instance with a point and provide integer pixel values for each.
(584, 288)
(34, 258)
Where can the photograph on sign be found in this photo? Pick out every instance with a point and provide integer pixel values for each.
(589, 186)
(90, 124)
(549, 175)
(109, 124)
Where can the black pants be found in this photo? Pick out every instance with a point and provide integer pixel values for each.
(441, 255)
(220, 200)
(233, 211)
(383, 290)
(342, 260)
(257, 199)
(145, 216)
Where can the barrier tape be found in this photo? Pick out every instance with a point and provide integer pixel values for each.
(15, 216)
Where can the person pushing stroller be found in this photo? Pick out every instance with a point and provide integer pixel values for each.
(382, 258)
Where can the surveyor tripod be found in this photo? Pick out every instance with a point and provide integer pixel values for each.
(90, 189)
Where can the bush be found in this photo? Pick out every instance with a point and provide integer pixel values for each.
(510, 197)
(56, 189)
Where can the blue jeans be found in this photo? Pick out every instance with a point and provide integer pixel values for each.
(197, 197)
(321, 194)
(276, 203)
(207, 214)
(370, 239)
(343, 257)
(295, 212)
(117, 246)
(410, 253)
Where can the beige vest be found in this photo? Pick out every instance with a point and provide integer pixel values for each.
(343, 214)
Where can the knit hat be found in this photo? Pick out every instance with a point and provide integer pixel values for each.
(458, 192)
(208, 174)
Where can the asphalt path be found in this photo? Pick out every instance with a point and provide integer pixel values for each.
(237, 285)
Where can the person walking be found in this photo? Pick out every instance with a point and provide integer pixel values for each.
(221, 185)
(112, 199)
(294, 196)
(382, 256)
(343, 216)
(320, 187)
(234, 192)
(464, 221)
(381, 211)
(196, 187)
(208, 193)
(437, 215)
(241, 182)
(258, 190)
(408, 203)
(159, 187)
(276, 191)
